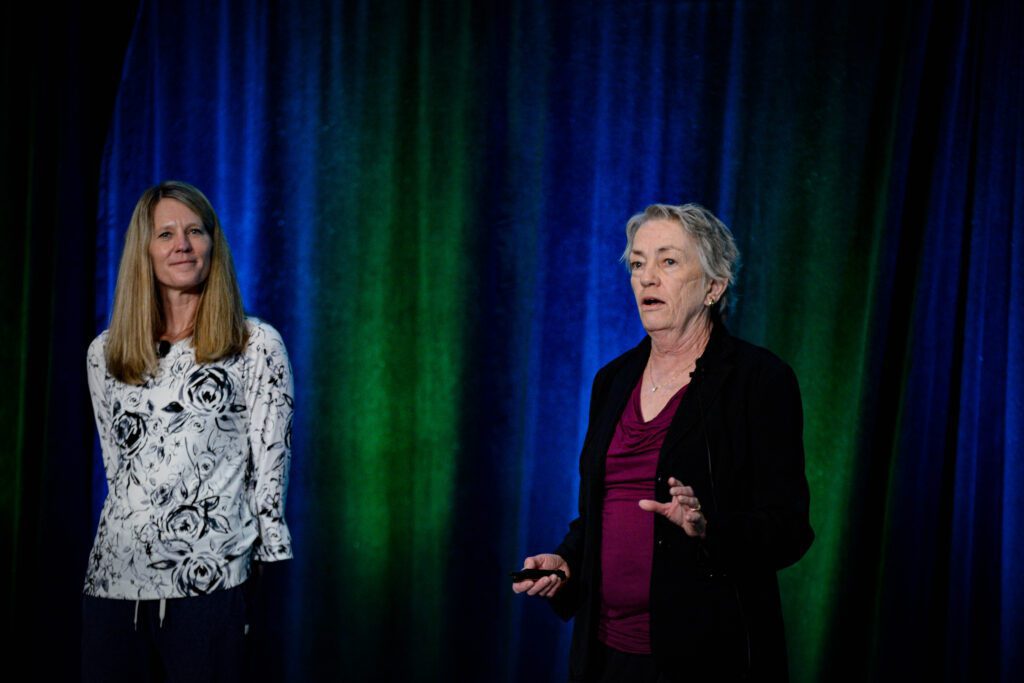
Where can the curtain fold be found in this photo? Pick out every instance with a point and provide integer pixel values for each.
(59, 85)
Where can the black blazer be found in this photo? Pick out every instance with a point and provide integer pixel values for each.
(737, 440)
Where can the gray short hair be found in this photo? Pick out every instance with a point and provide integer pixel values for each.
(716, 248)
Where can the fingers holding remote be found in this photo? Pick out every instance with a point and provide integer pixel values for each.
(549, 573)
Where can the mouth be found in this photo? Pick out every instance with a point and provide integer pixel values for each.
(651, 301)
(182, 263)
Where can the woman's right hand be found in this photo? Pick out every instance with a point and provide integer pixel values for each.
(549, 585)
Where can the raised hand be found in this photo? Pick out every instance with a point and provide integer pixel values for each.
(683, 510)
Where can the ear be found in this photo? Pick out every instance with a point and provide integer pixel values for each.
(715, 290)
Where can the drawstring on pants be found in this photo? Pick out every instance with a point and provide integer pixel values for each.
(163, 613)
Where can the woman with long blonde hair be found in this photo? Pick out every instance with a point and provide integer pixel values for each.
(193, 404)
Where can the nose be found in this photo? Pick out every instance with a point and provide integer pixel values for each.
(183, 243)
(648, 275)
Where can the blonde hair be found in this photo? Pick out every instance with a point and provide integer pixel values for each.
(219, 329)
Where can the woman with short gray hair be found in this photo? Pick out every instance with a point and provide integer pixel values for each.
(692, 491)
(716, 249)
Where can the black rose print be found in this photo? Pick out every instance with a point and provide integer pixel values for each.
(186, 522)
(161, 495)
(205, 465)
(129, 432)
(208, 390)
(199, 573)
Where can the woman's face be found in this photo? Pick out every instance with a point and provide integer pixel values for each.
(179, 247)
(666, 276)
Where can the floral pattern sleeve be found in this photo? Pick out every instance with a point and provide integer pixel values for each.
(96, 367)
(269, 393)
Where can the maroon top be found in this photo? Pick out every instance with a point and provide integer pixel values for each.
(627, 532)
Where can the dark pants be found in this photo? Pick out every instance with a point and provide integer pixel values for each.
(622, 667)
(201, 638)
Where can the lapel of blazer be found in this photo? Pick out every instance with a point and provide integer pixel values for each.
(713, 367)
(614, 402)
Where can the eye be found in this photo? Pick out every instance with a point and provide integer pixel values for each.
(670, 262)
(196, 231)
(163, 234)
(635, 265)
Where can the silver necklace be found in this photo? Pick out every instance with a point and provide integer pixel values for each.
(654, 384)
(667, 383)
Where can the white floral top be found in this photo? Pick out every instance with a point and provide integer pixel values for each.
(197, 466)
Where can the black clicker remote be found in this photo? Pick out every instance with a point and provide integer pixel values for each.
(534, 574)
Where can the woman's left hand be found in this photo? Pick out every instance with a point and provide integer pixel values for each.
(684, 509)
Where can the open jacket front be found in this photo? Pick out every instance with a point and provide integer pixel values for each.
(737, 440)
